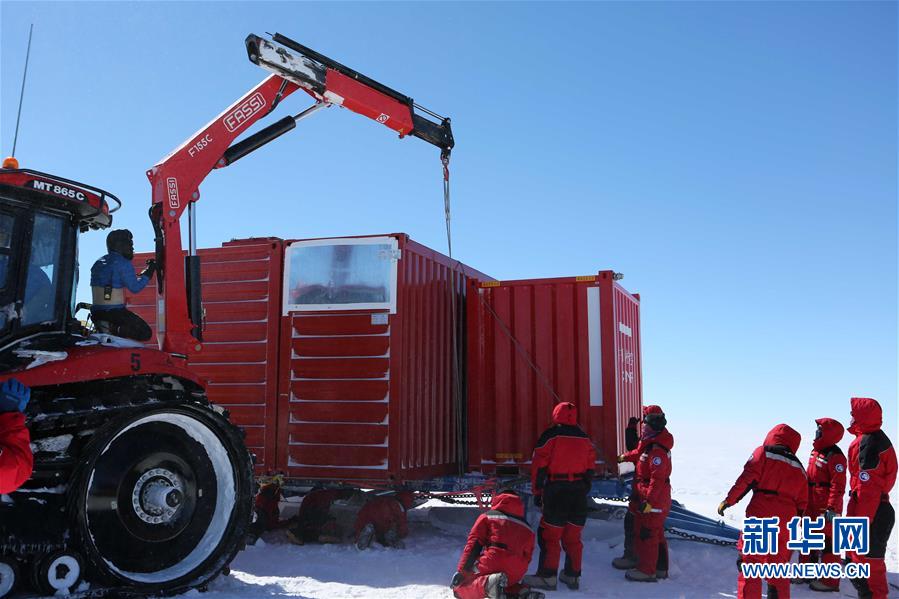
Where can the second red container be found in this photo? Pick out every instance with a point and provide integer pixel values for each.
(534, 343)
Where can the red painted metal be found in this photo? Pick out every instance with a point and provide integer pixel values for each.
(346, 394)
(370, 395)
(241, 284)
(96, 361)
(532, 343)
(176, 181)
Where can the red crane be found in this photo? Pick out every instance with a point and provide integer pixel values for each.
(139, 483)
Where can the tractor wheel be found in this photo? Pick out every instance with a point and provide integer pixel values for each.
(163, 498)
(9, 575)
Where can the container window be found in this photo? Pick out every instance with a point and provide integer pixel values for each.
(341, 274)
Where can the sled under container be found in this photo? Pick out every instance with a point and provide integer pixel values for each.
(336, 355)
(533, 343)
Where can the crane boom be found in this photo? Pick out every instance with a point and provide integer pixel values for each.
(176, 179)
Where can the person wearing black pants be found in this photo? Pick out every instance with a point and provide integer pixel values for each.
(629, 559)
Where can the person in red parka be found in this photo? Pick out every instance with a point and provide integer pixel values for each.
(16, 459)
(561, 478)
(651, 496)
(872, 474)
(384, 518)
(311, 524)
(826, 485)
(497, 553)
(779, 488)
(629, 559)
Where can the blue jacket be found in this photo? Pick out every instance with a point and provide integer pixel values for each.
(115, 270)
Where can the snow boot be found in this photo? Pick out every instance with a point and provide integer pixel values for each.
(527, 594)
(821, 587)
(638, 576)
(366, 535)
(495, 586)
(661, 574)
(625, 562)
(570, 581)
(544, 583)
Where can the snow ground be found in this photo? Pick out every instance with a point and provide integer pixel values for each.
(423, 569)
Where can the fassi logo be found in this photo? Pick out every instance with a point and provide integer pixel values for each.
(247, 108)
(172, 186)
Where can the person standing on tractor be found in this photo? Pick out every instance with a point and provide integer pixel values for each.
(650, 496)
(497, 553)
(872, 474)
(779, 488)
(16, 459)
(110, 276)
(561, 479)
(826, 486)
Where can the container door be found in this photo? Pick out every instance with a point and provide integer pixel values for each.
(339, 295)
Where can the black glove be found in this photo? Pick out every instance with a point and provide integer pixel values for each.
(14, 396)
(538, 500)
(150, 269)
(458, 578)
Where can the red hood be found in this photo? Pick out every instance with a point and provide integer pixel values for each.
(565, 413)
(782, 434)
(664, 438)
(652, 410)
(867, 415)
(508, 503)
(831, 433)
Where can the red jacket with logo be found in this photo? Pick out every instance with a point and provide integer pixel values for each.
(563, 452)
(652, 479)
(872, 459)
(16, 460)
(500, 540)
(826, 470)
(776, 477)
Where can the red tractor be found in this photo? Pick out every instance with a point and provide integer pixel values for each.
(140, 484)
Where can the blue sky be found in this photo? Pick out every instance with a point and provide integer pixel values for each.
(736, 161)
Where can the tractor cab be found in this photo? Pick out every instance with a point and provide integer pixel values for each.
(40, 218)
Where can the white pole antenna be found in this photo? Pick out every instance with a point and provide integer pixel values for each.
(22, 93)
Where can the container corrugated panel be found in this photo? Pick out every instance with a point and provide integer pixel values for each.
(241, 288)
(533, 343)
(370, 393)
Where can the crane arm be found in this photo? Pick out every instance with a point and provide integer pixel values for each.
(176, 179)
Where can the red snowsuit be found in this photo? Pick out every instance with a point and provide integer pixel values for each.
(779, 488)
(313, 516)
(652, 486)
(826, 485)
(872, 474)
(561, 475)
(385, 513)
(499, 541)
(16, 460)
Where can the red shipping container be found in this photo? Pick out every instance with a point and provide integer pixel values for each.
(368, 386)
(533, 343)
(241, 289)
(336, 354)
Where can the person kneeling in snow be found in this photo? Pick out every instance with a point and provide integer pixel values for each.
(313, 522)
(383, 518)
(497, 553)
(16, 460)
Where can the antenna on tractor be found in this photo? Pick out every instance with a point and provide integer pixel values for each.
(21, 96)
